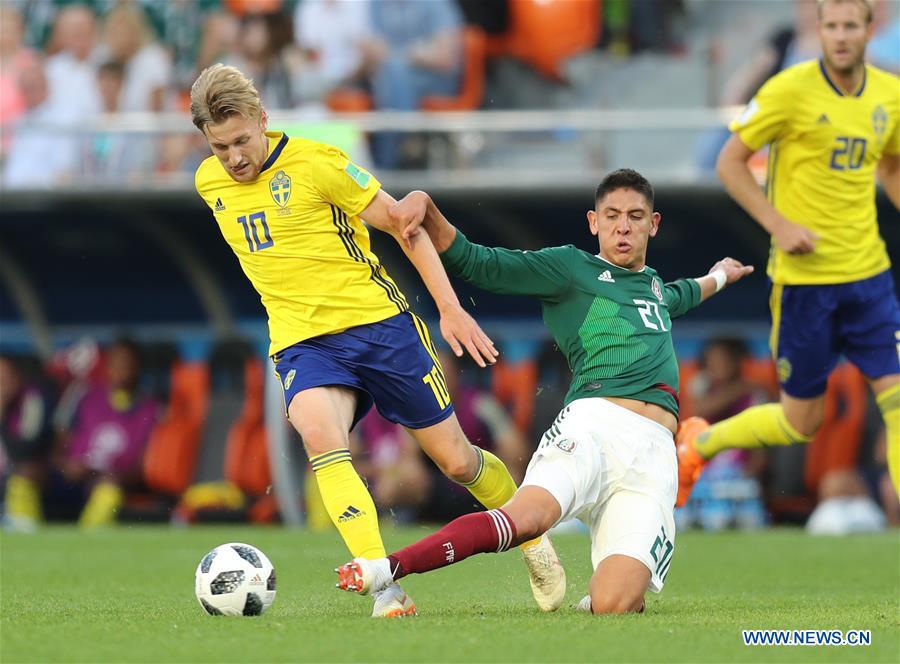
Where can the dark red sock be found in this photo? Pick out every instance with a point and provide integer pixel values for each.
(481, 532)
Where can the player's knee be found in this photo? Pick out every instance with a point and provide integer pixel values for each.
(319, 438)
(458, 470)
(620, 601)
(459, 466)
(807, 425)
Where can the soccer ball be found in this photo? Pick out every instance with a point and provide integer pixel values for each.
(235, 580)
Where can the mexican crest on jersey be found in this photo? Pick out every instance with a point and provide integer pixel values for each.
(656, 287)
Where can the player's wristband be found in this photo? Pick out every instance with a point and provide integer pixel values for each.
(721, 279)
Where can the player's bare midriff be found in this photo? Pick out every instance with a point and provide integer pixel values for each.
(649, 410)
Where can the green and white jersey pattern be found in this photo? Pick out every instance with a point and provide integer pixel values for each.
(613, 324)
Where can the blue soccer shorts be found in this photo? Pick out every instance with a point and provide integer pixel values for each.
(812, 326)
(392, 363)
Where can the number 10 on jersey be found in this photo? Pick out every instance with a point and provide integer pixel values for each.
(251, 232)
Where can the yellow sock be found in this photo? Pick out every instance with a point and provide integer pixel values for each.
(759, 426)
(317, 518)
(348, 503)
(23, 501)
(102, 505)
(493, 485)
(889, 405)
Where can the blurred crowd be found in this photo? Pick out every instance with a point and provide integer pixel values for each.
(64, 63)
(138, 433)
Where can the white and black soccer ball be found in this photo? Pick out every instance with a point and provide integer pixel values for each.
(235, 579)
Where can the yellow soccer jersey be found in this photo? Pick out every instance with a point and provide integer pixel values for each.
(297, 234)
(824, 149)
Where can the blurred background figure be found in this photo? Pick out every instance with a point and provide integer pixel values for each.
(415, 51)
(43, 151)
(261, 52)
(72, 69)
(26, 440)
(128, 38)
(104, 443)
(15, 57)
(729, 493)
(330, 36)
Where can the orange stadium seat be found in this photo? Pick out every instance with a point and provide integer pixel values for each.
(544, 33)
(348, 100)
(171, 455)
(246, 451)
(472, 86)
(515, 385)
(247, 7)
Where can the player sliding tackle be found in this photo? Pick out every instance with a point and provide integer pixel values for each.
(609, 457)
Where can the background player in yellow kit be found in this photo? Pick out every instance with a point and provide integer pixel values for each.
(832, 125)
(342, 335)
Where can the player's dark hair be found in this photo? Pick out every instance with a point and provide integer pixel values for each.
(625, 178)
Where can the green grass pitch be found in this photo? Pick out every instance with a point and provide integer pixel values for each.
(126, 595)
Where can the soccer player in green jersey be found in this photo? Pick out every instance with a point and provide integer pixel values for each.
(609, 457)
(832, 126)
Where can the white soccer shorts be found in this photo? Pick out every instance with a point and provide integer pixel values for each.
(617, 472)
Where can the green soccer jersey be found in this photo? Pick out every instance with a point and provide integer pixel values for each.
(613, 324)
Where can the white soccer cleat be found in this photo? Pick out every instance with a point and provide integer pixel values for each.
(393, 602)
(364, 576)
(547, 576)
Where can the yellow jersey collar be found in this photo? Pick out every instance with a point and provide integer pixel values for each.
(841, 93)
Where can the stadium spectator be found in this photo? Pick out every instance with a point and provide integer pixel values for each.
(416, 51)
(72, 70)
(128, 38)
(105, 441)
(44, 150)
(330, 35)
(110, 156)
(608, 457)
(728, 493)
(833, 293)
(15, 57)
(261, 52)
(26, 440)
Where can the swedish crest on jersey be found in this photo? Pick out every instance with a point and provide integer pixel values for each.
(280, 188)
(879, 121)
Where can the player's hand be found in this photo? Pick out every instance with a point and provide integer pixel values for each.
(734, 270)
(408, 213)
(794, 238)
(460, 330)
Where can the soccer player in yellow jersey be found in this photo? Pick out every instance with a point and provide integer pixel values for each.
(342, 335)
(831, 126)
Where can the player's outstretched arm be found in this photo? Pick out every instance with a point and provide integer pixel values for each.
(723, 273)
(735, 174)
(458, 328)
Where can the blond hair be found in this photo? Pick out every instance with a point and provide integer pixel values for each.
(867, 5)
(220, 92)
